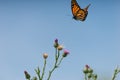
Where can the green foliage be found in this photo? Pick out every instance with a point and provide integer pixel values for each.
(58, 59)
(88, 71)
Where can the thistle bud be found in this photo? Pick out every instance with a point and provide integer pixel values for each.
(85, 70)
(60, 47)
(27, 75)
(56, 43)
(89, 75)
(87, 66)
(45, 55)
(95, 75)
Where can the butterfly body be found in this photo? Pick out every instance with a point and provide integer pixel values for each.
(78, 13)
(81, 15)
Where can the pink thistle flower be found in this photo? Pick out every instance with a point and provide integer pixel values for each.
(65, 53)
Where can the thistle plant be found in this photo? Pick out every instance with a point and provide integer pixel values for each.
(89, 75)
(58, 59)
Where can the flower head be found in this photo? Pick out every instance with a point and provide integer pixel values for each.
(56, 40)
(60, 47)
(56, 43)
(85, 70)
(87, 66)
(45, 55)
(65, 53)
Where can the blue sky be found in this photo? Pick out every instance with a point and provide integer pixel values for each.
(28, 29)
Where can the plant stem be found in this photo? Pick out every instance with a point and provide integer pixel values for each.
(55, 64)
(38, 72)
(116, 71)
(56, 54)
(28, 79)
(50, 73)
(115, 74)
(85, 76)
(43, 71)
(60, 61)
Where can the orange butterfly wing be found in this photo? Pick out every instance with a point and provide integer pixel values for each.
(78, 13)
(74, 7)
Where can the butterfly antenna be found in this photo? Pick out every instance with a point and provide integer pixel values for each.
(87, 7)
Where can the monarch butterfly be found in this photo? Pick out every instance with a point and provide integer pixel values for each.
(78, 13)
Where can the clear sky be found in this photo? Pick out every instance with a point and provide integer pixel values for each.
(28, 29)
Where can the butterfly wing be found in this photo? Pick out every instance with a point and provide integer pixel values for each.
(78, 13)
(74, 7)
